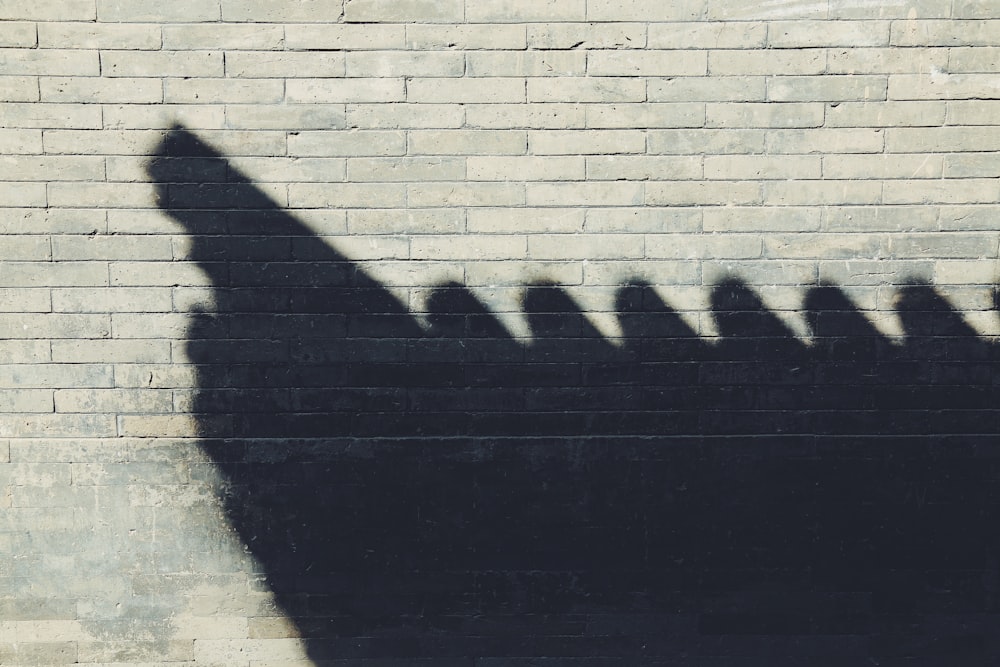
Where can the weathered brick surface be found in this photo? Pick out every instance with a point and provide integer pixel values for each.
(499, 332)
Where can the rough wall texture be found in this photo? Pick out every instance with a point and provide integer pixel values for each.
(499, 332)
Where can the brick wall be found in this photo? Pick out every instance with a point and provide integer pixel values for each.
(577, 332)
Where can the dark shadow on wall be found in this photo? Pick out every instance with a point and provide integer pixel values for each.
(447, 492)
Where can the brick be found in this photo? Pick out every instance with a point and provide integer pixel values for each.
(43, 375)
(51, 168)
(405, 169)
(526, 11)
(18, 34)
(946, 33)
(761, 167)
(276, 65)
(297, 118)
(614, 10)
(401, 115)
(942, 86)
(950, 191)
(135, 652)
(467, 142)
(647, 63)
(586, 35)
(23, 194)
(586, 246)
(732, 10)
(119, 299)
(972, 59)
(105, 195)
(288, 170)
(161, 117)
(36, 115)
(882, 166)
(409, 221)
(973, 9)
(56, 325)
(885, 114)
(57, 221)
(264, 11)
(685, 246)
(940, 139)
(35, 274)
(747, 62)
(111, 247)
(506, 116)
(701, 142)
(586, 89)
(466, 91)
(25, 300)
(525, 168)
(748, 115)
(811, 193)
(707, 35)
(137, 274)
(351, 143)
(170, 426)
(640, 220)
(345, 90)
(952, 245)
(585, 142)
(825, 141)
(970, 165)
(525, 220)
(23, 352)
(223, 91)
(806, 34)
(96, 89)
(19, 89)
(138, 11)
(643, 167)
(707, 89)
(525, 63)
(878, 218)
(480, 247)
(972, 112)
(114, 400)
(50, 10)
(465, 194)
(162, 64)
(26, 248)
(702, 193)
(912, 9)
(20, 141)
(404, 11)
(345, 37)
(257, 36)
(38, 653)
(591, 193)
(429, 37)
(820, 246)
(27, 400)
(830, 87)
(55, 426)
(99, 36)
(785, 219)
(346, 195)
(886, 61)
(621, 116)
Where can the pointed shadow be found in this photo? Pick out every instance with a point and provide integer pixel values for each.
(443, 494)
